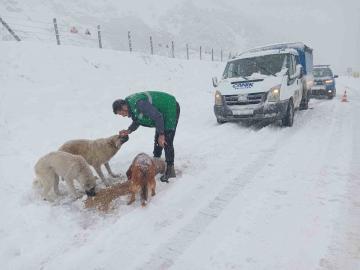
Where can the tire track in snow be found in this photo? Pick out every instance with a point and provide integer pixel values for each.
(343, 252)
(166, 254)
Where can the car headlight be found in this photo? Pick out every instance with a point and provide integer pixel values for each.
(329, 81)
(274, 94)
(218, 98)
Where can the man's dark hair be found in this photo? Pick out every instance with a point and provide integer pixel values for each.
(117, 105)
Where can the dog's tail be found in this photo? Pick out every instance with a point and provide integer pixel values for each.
(144, 194)
(144, 187)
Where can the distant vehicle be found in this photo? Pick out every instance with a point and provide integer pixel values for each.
(266, 83)
(324, 82)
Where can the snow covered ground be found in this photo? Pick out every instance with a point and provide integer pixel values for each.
(247, 198)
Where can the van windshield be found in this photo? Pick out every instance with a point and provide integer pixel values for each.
(265, 64)
(322, 72)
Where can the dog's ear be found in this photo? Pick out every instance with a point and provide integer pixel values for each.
(129, 172)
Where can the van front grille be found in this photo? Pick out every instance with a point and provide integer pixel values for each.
(253, 98)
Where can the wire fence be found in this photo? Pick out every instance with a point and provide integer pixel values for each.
(66, 33)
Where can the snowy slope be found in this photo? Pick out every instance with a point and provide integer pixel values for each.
(331, 28)
(181, 21)
(247, 198)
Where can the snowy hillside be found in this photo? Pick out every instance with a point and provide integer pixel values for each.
(246, 198)
(180, 21)
(326, 26)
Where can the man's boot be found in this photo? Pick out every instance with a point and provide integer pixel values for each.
(169, 173)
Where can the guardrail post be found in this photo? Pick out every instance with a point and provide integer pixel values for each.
(9, 29)
(151, 46)
(172, 49)
(187, 51)
(129, 38)
(56, 32)
(99, 36)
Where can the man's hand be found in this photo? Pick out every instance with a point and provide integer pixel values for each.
(162, 141)
(124, 132)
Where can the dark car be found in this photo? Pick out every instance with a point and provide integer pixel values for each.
(324, 82)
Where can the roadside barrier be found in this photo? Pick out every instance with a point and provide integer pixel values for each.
(69, 33)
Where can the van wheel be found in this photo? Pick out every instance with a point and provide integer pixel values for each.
(220, 121)
(288, 120)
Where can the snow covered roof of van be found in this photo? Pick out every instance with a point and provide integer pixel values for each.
(319, 66)
(293, 45)
(251, 54)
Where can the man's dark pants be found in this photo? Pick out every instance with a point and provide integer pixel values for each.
(169, 138)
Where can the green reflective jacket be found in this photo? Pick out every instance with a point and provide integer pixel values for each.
(163, 102)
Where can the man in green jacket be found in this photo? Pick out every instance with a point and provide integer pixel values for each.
(153, 109)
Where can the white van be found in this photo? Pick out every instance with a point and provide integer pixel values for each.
(267, 83)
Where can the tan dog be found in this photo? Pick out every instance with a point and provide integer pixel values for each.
(96, 152)
(104, 198)
(141, 175)
(69, 167)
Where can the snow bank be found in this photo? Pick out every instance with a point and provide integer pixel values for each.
(51, 94)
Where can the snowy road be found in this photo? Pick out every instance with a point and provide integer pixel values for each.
(247, 198)
(296, 194)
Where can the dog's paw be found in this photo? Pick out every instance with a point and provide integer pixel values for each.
(59, 193)
(77, 196)
(48, 199)
(107, 184)
(143, 204)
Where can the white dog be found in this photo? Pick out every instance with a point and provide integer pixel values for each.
(96, 152)
(69, 167)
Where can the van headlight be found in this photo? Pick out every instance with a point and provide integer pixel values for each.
(274, 94)
(218, 98)
(328, 81)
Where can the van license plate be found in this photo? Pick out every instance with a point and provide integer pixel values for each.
(243, 112)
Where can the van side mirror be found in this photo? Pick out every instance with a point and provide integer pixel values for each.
(297, 73)
(336, 76)
(215, 81)
(302, 71)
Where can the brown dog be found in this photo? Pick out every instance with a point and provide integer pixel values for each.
(141, 175)
(104, 198)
